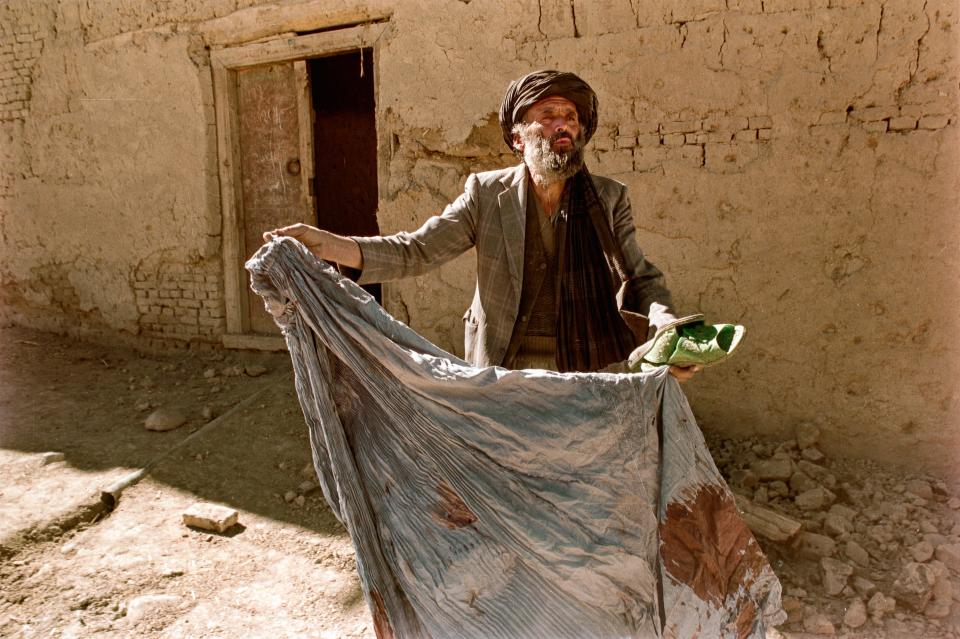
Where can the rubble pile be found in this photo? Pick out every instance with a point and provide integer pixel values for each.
(861, 552)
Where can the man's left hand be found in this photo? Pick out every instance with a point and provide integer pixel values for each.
(685, 373)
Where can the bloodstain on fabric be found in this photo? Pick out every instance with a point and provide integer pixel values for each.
(381, 625)
(706, 545)
(451, 511)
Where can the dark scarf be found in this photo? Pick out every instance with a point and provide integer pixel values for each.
(591, 333)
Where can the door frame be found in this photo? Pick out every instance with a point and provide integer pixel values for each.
(224, 65)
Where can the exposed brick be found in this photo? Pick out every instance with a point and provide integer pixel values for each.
(626, 142)
(673, 139)
(745, 136)
(873, 114)
(725, 123)
(931, 122)
(24, 37)
(695, 138)
(650, 126)
(760, 122)
(648, 139)
(903, 123)
(687, 126)
(832, 117)
(188, 303)
(602, 143)
(764, 134)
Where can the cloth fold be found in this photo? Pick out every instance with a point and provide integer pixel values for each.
(487, 503)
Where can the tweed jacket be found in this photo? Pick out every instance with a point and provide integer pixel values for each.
(490, 215)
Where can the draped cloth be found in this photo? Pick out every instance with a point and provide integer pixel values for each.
(485, 503)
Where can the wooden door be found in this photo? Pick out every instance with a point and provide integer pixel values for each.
(273, 186)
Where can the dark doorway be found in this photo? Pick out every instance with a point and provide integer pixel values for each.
(345, 145)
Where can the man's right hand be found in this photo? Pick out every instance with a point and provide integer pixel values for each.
(323, 244)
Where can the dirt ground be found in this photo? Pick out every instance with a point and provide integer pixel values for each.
(878, 554)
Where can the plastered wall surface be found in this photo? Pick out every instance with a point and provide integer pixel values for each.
(793, 166)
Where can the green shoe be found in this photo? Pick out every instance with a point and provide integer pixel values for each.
(687, 341)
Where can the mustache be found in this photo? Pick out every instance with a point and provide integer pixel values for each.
(561, 135)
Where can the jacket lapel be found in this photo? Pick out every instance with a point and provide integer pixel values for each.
(513, 207)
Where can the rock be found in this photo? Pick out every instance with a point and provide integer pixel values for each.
(864, 586)
(835, 575)
(794, 609)
(255, 370)
(144, 605)
(814, 499)
(210, 373)
(922, 551)
(744, 478)
(835, 525)
(935, 539)
(937, 610)
(949, 554)
(760, 495)
(208, 412)
(772, 469)
(778, 489)
(816, 545)
(802, 482)
(51, 458)
(856, 614)
(856, 554)
(847, 513)
(289, 496)
(307, 486)
(818, 623)
(914, 586)
(943, 589)
(142, 406)
(812, 454)
(880, 604)
(308, 471)
(819, 473)
(953, 503)
(207, 516)
(164, 419)
(807, 435)
(920, 488)
(232, 371)
(300, 500)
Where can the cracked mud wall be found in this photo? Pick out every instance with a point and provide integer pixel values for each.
(793, 166)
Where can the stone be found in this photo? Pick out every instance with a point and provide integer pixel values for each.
(936, 539)
(307, 487)
(937, 610)
(164, 419)
(145, 605)
(835, 525)
(950, 555)
(300, 500)
(802, 482)
(207, 516)
(880, 605)
(835, 575)
(914, 585)
(760, 495)
(772, 469)
(807, 435)
(142, 406)
(210, 373)
(818, 623)
(816, 545)
(953, 503)
(255, 370)
(847, 513)
(864, 586)
(922, 551)
(289, 496)
(51, 458)
(778, 489)
(818, 472)
(856, 554)
(813, 455)
(920, 488)
(745, 478)
(235, 370)
(814, 499)
(856, 614)
(208, 412)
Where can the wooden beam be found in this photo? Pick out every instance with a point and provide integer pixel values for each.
(305, 122)
(314, 45)
(268, 20)
(766, 522)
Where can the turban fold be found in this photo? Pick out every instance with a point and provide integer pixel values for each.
(533, 87)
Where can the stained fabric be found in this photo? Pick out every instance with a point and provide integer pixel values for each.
(533, 87)
(488, 503)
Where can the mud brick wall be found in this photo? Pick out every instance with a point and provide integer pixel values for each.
(792, 164)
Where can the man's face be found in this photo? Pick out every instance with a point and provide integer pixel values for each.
(550, 138)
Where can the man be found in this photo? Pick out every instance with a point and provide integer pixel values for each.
(561, 282)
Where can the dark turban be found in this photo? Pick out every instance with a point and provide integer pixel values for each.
(536, 86)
